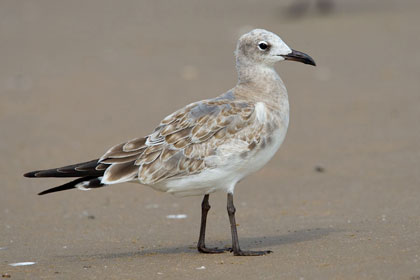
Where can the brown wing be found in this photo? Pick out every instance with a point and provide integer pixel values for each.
(180, 143)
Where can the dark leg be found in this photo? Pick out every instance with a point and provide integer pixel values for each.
(205, 207)
(235, 242)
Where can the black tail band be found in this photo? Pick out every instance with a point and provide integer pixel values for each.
(93, 182)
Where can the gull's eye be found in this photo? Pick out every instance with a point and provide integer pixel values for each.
(262, 45)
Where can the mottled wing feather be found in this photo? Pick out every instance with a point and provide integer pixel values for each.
(179, 145)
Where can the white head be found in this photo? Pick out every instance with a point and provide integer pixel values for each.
(260, 46)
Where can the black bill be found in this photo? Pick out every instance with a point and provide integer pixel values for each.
(299, 56)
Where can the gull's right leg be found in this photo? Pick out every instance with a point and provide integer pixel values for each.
(205, 207)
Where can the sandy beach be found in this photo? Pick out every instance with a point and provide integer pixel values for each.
(340, 200)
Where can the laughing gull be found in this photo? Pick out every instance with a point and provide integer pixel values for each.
(208, 145)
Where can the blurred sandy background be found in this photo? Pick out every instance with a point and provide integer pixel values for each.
(341, 200)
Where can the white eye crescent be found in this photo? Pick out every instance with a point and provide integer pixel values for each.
(263, 45)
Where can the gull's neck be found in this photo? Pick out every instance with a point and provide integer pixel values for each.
(260, 83)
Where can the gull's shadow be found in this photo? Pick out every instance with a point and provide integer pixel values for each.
(246, 243)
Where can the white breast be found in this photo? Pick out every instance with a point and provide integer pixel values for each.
(263, 155)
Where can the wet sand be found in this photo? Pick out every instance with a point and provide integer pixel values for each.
(340, 200)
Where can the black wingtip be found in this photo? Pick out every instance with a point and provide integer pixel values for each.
(82, 169)
(31, 174)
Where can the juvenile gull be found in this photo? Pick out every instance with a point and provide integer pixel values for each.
(208, 145)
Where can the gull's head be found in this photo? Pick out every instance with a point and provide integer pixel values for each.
(260, 46)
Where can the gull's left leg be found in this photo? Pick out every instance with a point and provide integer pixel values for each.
(235, 242)
(205, 207)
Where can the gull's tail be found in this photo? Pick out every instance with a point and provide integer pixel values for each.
(90, 174)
